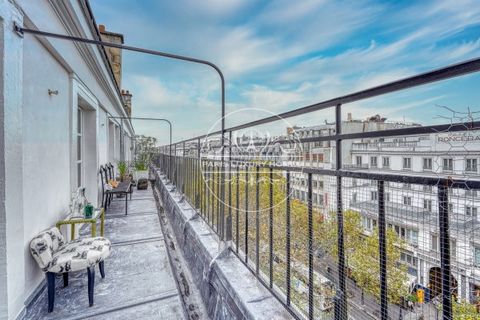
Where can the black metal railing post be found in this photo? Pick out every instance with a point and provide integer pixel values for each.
(445, 250)
(270, 229)
(246, 212)
(341, 306)
(382, 247)
(310, 247)
(228, 233)
(257, 220)
(287, 239)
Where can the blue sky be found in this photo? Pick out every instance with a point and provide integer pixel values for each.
(281, 55)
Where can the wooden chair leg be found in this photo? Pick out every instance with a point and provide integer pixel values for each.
(101, 266)
(91, 284)
(51, 290)
(65, 279)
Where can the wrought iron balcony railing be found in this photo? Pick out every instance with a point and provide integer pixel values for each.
(316, 259)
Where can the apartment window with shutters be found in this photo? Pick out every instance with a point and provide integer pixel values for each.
(427, 204)
(434, 242)
(427, 164)
(471, 165)
(447, 164)
(407, 163)
(386, 162)
(373, 162)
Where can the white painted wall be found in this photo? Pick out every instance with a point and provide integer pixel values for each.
(38, 132)
(11, 203)
(46, 148)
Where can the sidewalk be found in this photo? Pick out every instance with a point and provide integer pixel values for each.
(139, 282)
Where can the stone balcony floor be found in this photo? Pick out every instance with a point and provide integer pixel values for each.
(139, 282)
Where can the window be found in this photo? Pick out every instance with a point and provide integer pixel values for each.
(471, 212)
(427, 188)
(354, 197)
(387, 196)
(373, 195)
(427, 163)
(373, 162)
(471, 193)
(427, 204)
(407, 163)
(476, 256)
(315, 184)
(450, 207)
(407, 200)
(79, 147)
(448, 164)
(358, 160)
(409, 259)
(412, 236)
(471, 165)
(386, 162)
(453, 248)
(434, 242)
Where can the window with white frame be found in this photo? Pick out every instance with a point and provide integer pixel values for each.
(427, 164)
(476, 255)
(471, 211)
(373, 195)
(386, 162)
(79, 147)
(471, 193)
(407, 200)
(358, 160)
(373, 162)
(434, 242)
(447, 164)
(354, 197)
(453, 248)
(471, 165)
(409, 259)
(427, 204)
(407, 163)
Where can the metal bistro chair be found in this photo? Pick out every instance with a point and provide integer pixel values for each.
(124, 188)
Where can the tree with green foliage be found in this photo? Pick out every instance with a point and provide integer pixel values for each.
(145, 149)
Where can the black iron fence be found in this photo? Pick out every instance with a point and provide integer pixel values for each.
(343, 241)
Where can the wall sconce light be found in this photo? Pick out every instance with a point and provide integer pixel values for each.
(52, 92)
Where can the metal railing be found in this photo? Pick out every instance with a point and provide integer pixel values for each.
(250, 204)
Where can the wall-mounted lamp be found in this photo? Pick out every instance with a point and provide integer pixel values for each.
(52, 92)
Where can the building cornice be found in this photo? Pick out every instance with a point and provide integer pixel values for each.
(66, 14)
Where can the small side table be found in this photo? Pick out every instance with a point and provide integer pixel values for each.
(72, 221)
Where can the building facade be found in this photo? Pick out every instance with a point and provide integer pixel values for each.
(412, 210)
(57, 99)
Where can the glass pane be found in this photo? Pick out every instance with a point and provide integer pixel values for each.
(79, 174)
(79, 121)
(79, 148)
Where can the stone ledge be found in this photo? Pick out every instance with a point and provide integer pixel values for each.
(228, 289)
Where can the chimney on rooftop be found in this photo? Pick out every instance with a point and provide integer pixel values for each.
(114, 54)
(127, 102)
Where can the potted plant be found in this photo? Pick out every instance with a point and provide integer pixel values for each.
(122, 170)
(141, 170)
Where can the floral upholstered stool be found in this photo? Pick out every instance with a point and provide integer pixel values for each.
(54, 255)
